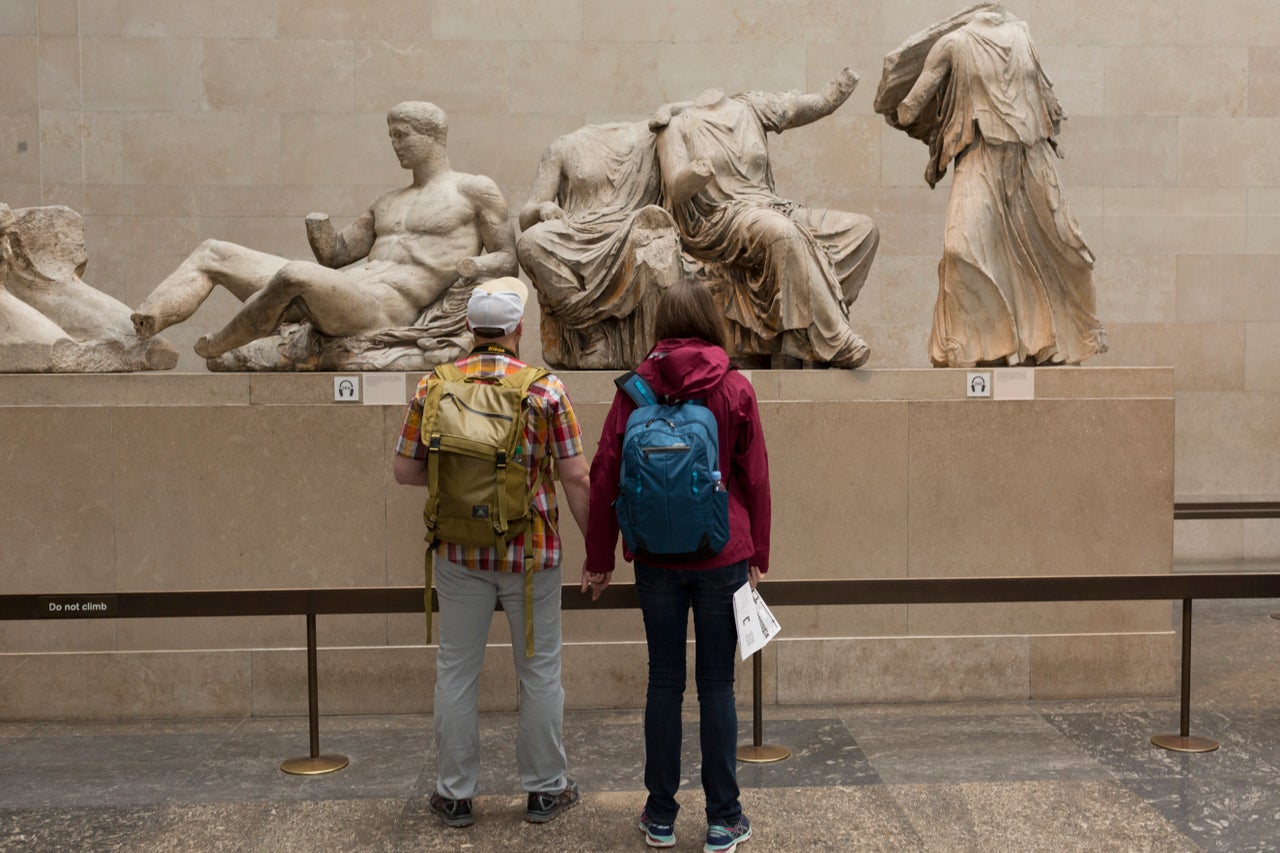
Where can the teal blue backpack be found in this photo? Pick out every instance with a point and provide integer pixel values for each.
(672, 504)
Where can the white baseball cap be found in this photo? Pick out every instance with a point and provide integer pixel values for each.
(497, 304)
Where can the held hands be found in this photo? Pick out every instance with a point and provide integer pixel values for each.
(596, 582)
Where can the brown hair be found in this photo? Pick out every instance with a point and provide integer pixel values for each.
(688, 310)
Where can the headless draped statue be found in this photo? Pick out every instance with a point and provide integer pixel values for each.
(598, 246)
(1016, 278)
(390, 289)
(786, 274)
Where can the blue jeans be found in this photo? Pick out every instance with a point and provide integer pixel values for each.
(665, 598)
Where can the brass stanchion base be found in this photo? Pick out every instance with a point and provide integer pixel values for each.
(315, 766)
(765, 753)
(1178, 743)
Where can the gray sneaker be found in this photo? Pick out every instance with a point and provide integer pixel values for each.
(546, 805)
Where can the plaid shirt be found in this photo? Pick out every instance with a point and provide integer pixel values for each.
(552, 430)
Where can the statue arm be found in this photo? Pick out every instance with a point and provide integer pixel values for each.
(335, 249)
(683, 177)
(811, 107)
(662, 115)
(494, 225)
(542, 204)
(937, 65)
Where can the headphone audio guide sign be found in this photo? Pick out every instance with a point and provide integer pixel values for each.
(978, 384)
(346, 389)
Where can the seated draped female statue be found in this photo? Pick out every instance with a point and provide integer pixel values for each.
(786, 274)
(598, 246)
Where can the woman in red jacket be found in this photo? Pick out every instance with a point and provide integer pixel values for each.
(690, 362)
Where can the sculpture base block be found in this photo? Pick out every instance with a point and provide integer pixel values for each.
(242, 481)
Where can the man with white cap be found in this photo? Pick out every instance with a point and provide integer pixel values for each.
(470, 580)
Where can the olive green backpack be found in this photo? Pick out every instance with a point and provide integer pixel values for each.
(478, 478)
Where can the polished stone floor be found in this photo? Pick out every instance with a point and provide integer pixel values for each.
(1043, 776)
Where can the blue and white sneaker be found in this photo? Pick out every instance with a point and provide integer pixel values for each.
(656, 834)
(724, 839)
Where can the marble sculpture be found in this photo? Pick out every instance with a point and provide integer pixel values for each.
(598, 246)
(1016, 278)
(389, 290)
(51, 321)
(786, 274)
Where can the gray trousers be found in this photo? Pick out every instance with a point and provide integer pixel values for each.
(467, 599)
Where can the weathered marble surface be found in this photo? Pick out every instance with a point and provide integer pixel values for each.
(1016, 277)
(598, 246)
(389, 291)
(786, 274)
(51, 321)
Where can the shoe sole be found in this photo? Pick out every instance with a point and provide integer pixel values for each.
(454, 822)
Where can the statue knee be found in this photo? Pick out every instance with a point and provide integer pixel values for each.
(773, 226)
(292, 277)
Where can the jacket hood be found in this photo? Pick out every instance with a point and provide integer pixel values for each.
(684, 368)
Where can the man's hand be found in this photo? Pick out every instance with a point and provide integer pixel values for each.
(753, 576)
(595, 582)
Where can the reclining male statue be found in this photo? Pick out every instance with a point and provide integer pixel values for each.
(51, 321)
(397, 277)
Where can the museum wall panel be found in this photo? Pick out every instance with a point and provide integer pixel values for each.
(234, 481)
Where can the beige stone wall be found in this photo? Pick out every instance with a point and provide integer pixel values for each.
(179, 482)
(165, 123)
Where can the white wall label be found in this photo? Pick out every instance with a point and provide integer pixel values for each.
(1015, 383)
(385, 389)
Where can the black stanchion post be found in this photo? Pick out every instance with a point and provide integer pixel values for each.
(759, 752)
(1183, 741)
(314, 764)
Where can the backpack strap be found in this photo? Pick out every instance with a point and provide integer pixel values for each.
(449, 372)
(444, 372)
(524, 379)
(637, 388)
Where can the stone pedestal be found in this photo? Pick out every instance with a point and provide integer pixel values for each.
(189, 481)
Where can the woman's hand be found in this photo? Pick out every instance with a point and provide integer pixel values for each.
(595, 582)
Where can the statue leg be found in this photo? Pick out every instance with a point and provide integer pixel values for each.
(333, 303)
(214, 262)
(810, 296)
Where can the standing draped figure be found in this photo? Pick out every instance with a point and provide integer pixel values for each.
(1016, 278)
